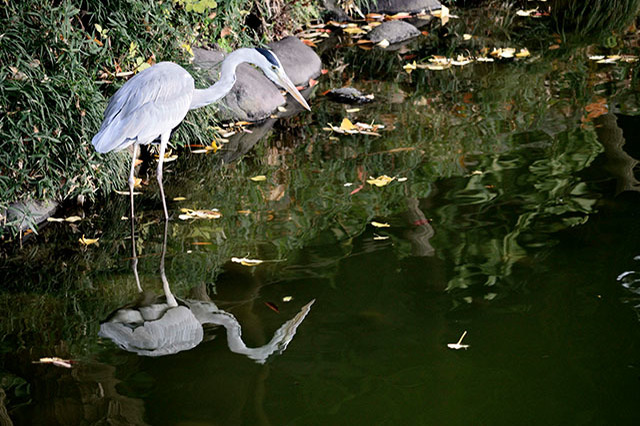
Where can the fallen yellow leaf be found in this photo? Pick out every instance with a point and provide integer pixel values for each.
(380, 180)
(246, 262)
(380, 224)
(347, 125)
(354, 30)
(259, 178)
(410, 67)
(199, 214)
(87, 241)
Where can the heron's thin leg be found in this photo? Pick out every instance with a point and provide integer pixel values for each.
(164, 139)
(132, 182)
(171, 300)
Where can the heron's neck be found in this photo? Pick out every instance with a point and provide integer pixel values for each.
(217, 91)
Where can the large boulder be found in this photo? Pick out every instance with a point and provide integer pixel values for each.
(410, 6)
(26, 214)
(393, 32)
(300, 62)
(254, 97)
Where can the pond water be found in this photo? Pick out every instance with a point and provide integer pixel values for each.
(513, 217)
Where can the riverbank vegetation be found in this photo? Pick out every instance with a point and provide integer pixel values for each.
(61, 61)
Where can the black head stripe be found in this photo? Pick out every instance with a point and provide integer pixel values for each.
(267, 54)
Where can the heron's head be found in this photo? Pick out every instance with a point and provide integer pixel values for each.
(273, 69)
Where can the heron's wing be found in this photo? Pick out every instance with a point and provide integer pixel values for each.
(149, 104)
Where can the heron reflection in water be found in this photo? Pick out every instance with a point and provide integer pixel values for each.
(155, 327)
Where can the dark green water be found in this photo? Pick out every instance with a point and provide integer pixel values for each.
(514, 224)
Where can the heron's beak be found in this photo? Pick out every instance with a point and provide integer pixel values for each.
(288, 85)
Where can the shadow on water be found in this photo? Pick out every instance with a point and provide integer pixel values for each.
(517, 223)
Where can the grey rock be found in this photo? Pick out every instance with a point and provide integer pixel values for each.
(393, 32)
(27, 213)
(254, 97)
(300, 62)
(349, 95)
(335, 10)
(410, 6)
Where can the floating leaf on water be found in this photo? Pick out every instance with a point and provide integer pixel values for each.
(380, 224)
(347, 125)
(377, 237)
(523, 53)
(380, 180)
(526, 13)
(58, 362)
(466, 36)
(179, 198)
(126, 192)
(272, 306)
(244, 212)
(287, 299)
(259, 178)
(351, 110)
(410, 67)
(461, 61)
(384, 43)
(72, 219)
(348, 184)
(402, 179)
(282, 109)
(507, 52)
(458, 345)
(199, 214)
(55, 219)
(246, 262)
(87, 241)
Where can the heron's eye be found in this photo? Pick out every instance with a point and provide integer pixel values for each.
(274, 68)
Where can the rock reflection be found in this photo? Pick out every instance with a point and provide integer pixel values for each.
(619, 163)
(163, 325)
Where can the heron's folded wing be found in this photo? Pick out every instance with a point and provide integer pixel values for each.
(151, 103)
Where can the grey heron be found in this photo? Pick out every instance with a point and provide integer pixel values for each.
(157, 99)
